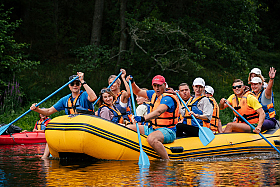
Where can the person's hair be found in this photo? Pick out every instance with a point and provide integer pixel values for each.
(113, 77)
(182, 84)
(106, 90)
(260, 76)
(238, 80)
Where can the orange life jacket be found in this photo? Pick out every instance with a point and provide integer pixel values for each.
(72, 105)
(243, 109)
(215, 116)
(166, 119)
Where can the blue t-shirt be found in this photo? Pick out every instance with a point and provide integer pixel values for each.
(166, 100)
(83, 102)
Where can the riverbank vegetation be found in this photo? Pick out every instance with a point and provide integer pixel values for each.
(43, 43)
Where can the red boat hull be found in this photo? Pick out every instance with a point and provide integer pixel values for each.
(23, 138)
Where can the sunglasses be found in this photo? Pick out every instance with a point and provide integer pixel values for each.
(75, 83)
(105, 90)
(238, 86)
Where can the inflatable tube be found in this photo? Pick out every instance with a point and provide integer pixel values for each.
(102, 139)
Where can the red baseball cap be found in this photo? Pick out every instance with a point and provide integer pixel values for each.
(158, 79)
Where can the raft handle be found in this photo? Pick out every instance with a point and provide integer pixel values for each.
(176, 149)
(277, 142)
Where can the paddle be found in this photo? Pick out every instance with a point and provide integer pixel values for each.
(107, 87)
(3, 129)
(205, 134)
(252, 127)
(143, 158)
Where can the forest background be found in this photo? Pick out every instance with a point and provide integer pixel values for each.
(42, 43)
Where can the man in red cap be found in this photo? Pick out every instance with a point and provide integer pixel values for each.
(163, 116)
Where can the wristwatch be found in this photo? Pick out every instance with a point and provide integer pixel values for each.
(84, 83)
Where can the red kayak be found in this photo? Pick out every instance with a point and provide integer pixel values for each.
(23, 138)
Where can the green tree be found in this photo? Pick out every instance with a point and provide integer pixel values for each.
(13, 58)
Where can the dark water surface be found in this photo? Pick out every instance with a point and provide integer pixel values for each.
(21, 166)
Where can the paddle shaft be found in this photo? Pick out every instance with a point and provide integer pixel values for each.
(142, 153)
(3, 129)
(107, 87)
(252, 127)
(200, 128)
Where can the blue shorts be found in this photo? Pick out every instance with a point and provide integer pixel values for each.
(169, 134)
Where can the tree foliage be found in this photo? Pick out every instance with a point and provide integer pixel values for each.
(13, 59)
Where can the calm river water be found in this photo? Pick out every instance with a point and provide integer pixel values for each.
(21, 166)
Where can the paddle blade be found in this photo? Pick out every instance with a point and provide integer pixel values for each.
(3, 129)
(206, 135)
(143, 159)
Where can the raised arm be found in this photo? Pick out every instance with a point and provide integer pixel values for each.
(91, 94)
(136, 90)
(268, 90)
(125, 95)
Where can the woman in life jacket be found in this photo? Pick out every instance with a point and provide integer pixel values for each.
(122, 99)
(107, 108)
(266, 98)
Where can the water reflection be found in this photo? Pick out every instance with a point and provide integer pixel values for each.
(19, 166)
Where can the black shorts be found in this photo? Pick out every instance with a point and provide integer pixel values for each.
(184, 130)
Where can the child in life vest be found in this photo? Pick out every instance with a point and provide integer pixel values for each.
(143, 105)
(41, 124)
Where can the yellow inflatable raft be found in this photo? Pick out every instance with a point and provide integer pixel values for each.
(103, 139)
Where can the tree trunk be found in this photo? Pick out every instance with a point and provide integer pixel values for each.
(97, 23)
(123, 39)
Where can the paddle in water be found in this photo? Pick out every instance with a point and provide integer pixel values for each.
(143, 158)
(4, 128)
(205, 134)
(252, 127)
(107, 87)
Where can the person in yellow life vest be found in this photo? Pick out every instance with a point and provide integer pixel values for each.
(247, 105)
(163, 116)
(42, 123)
(122, 100)
(200, 107)
(107, 109)
(215, 123)
(266, 98)
(69, 103)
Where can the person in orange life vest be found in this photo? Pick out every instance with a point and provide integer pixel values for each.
(185, 94)
(122, 101)
(163, 116)
(107, 109)
(200, 107)
(69, 102)
(247, 105)
(266, 98)
(215, 123)
(41, 124)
